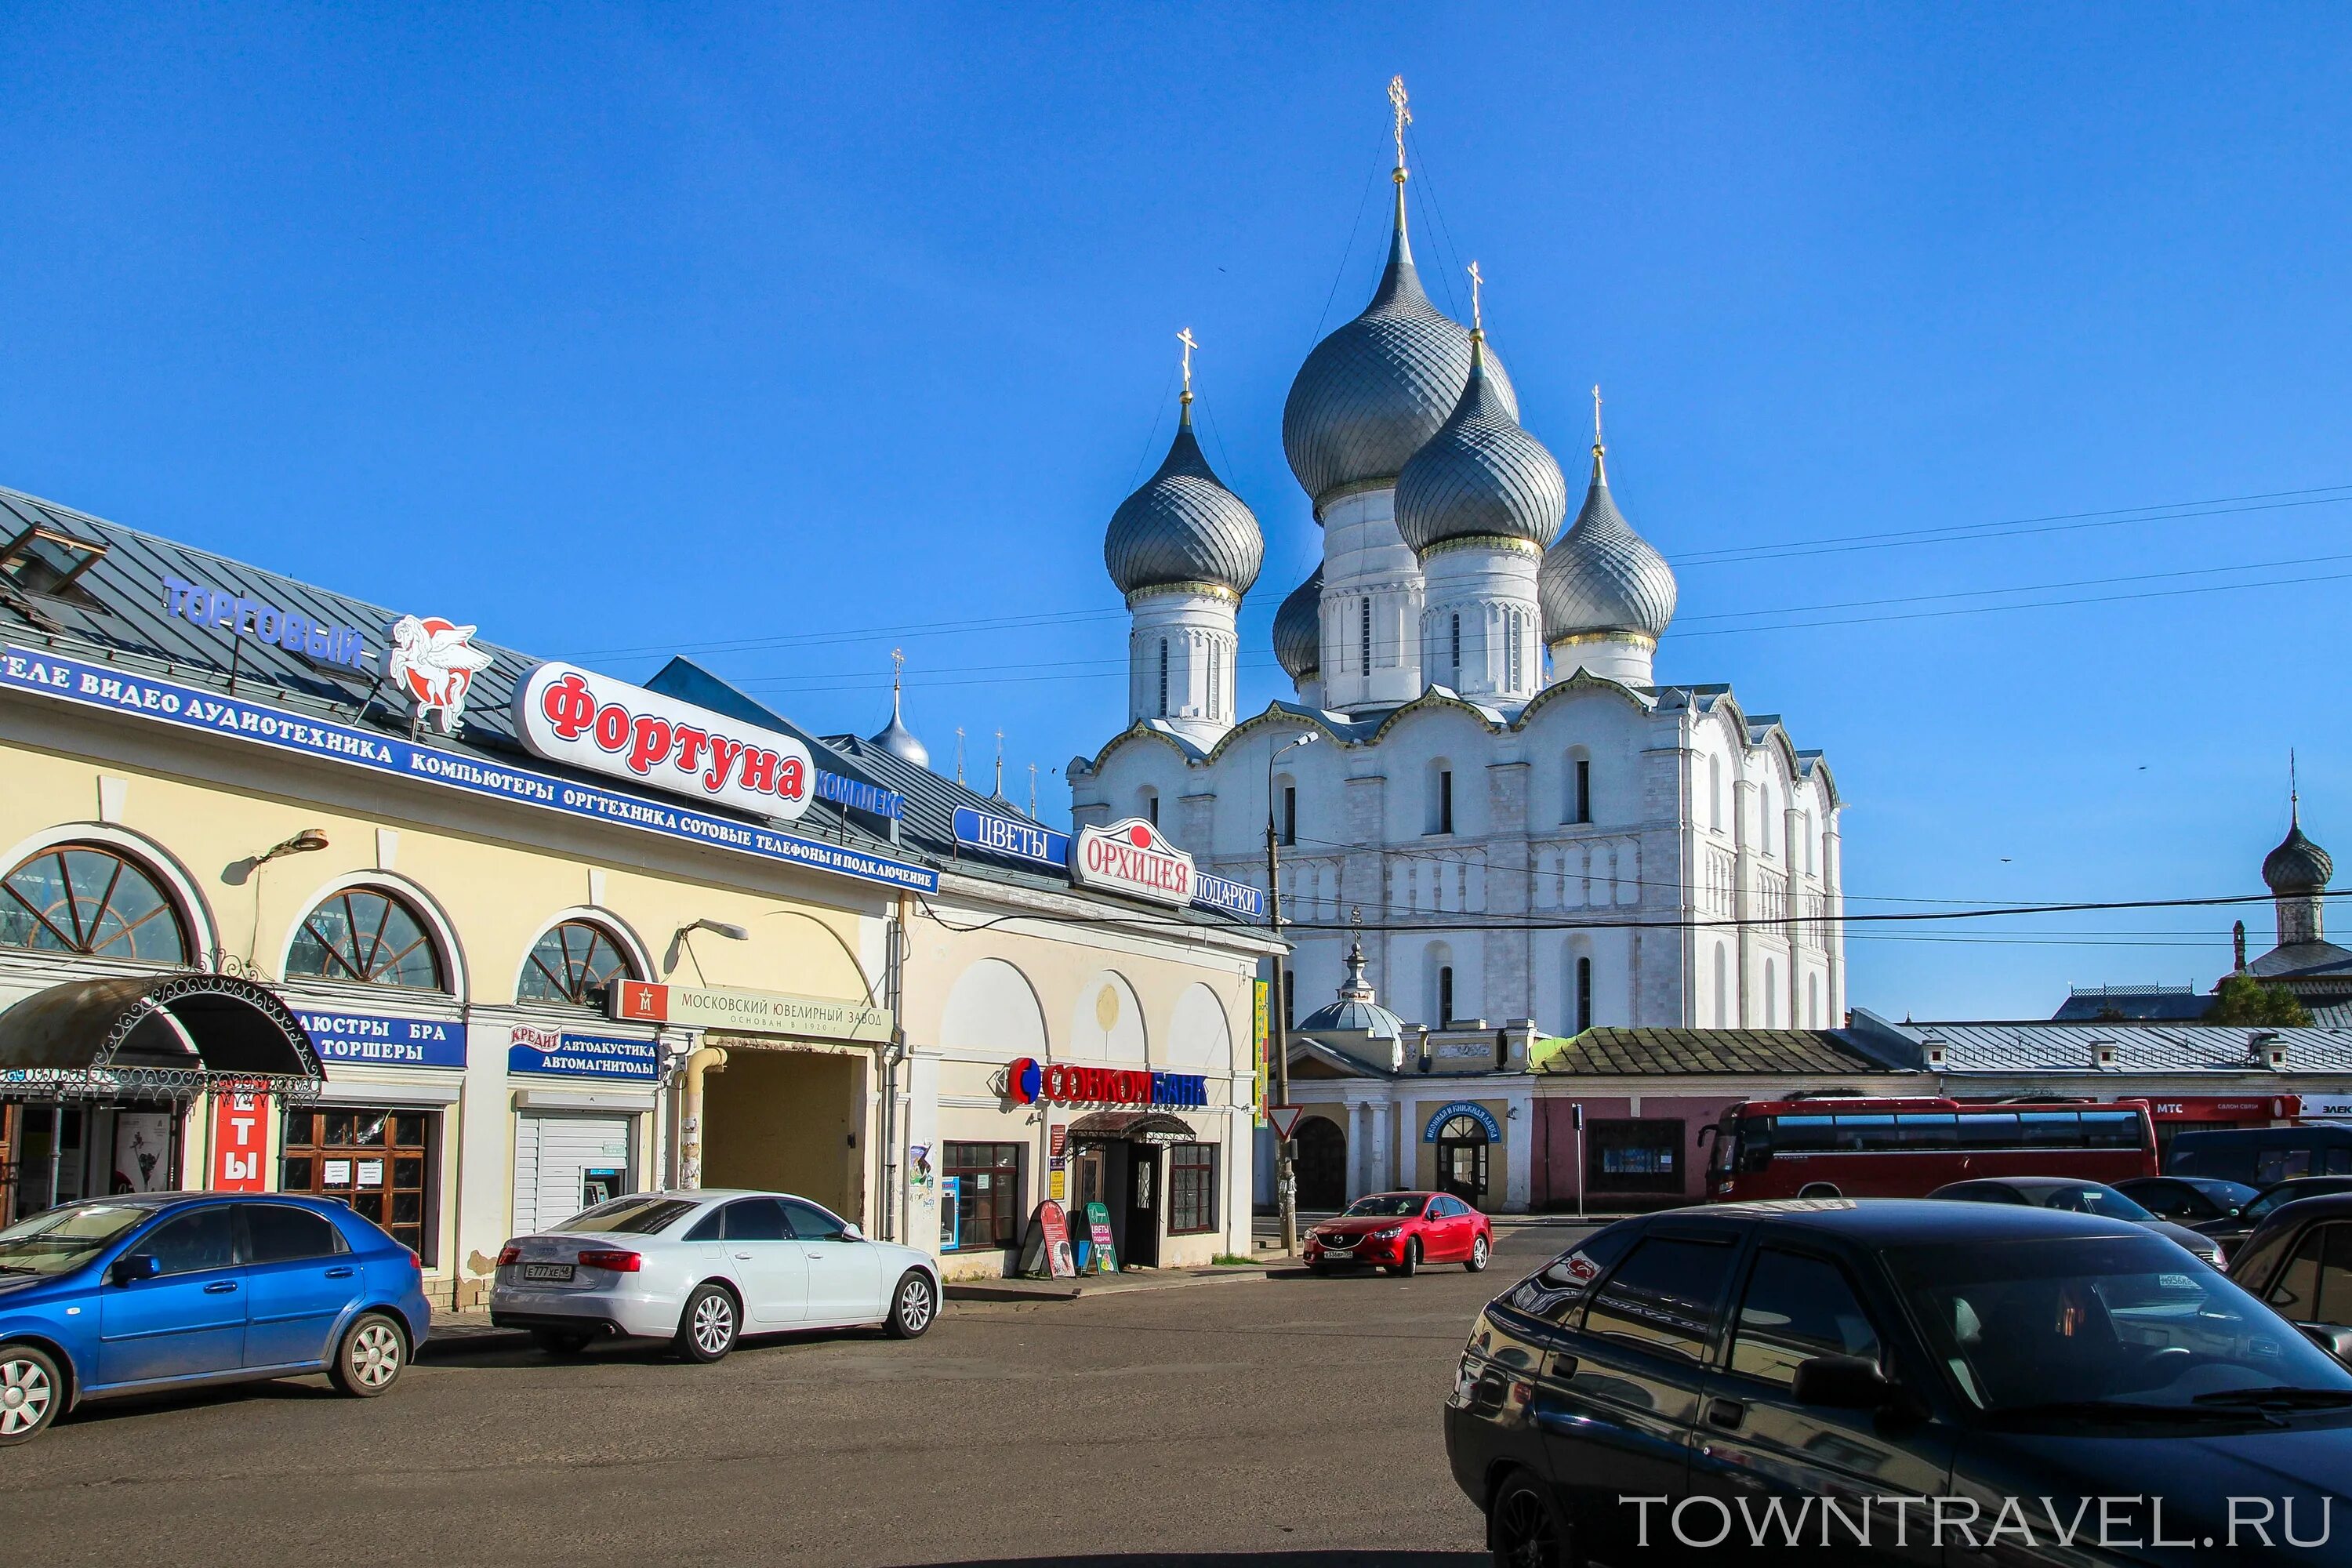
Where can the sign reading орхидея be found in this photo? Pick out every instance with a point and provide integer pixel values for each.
(753, 1012)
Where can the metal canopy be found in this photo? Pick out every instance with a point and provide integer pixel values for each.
(142, 1038)
(1131, 1127)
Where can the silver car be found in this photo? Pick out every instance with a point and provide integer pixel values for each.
(702, 1268)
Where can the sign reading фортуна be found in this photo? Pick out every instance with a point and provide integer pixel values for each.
(568, 714)
(751, 1011)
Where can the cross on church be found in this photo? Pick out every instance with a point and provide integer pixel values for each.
(1478, 322)
(1190, 343)
(898, 668)
(1596, 416)
(1403, 118)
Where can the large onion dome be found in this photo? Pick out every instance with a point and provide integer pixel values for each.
(1602, 577)
(1298, 629)
(1375, 389)
(1184, 526)
(900, 741)
(1480, 476)
(2297, 865)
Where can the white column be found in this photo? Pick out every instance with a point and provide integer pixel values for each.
(1518, 1151)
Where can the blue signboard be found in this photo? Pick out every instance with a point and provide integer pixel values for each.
(858, 795)
(323, 641)
(1471, 1108)
(552, 1055)
(369, 1040)
(192, 708)
(1020, 839)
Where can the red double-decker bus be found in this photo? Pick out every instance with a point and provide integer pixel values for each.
(1907, 1148)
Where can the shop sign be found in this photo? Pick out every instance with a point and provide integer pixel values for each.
(1020, 839)
(367, 1040)
(103, 685)
(567, 714)
(856, 794)
(240, 1131)
(1131, 857)
(2264, 1107)
(1027, 1080)
(751, 1011)
(432, 663)
(2331, 1106)
(562, 1054)
(1469, 1108)
(321, 642)
(1103, 1257)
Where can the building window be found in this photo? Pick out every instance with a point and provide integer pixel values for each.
(379, 1161)
(1151, 806)
(987, 1194)
(1364, 633)
(1813, 1000)
(573, 963)
(1444, 995)
(1634, 1156)
(1163, 678)
(78, 898)
(1722, 988)
(1456, 652)
(1771, 996)
(1583, 804)
(1192, 1189)
(1583, 994)
(1715, 792)
(1289, 998)
(1518, 636)
(367, 937)
(1441, 799)
(1290, 814)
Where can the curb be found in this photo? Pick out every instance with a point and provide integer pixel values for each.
(1078, 1290)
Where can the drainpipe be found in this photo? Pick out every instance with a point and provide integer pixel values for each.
(710, 1059)
(894, 996)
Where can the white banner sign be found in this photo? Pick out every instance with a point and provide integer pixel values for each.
(1131, 857)
(753, 1012)
(567, 714)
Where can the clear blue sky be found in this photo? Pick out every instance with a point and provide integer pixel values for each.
(622, 327)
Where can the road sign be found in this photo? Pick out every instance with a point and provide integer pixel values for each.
(1284, 1119)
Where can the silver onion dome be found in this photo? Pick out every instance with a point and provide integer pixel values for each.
(2297, 865)
(1298, 629)
(1377, 388)
(900, 741)
(1600, 576)
(1184, 526)
(1480, 476)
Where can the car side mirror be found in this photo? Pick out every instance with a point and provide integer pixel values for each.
(1842, 1383)
(134, 1267)
(849, 1231)
(2333, 1338)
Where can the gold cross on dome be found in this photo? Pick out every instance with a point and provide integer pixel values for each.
(1596, 415)
(1477, 324)
(1403, 115)
(1190, 343)
(898, 667)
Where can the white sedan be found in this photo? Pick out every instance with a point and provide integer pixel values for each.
(701, 1268)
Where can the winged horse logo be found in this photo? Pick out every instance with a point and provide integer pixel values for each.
(432, 663)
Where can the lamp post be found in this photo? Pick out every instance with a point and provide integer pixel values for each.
(1286, 1167)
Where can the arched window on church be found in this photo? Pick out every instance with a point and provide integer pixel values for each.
(1163, 678)
(1455, 655)
(1583, 994)
(1364, 633)
(1149, 801)
(1517, 630)
(1578, 803)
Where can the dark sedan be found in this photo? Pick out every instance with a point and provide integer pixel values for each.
(1895, 1382)
(2188, 1200)
(2075, 1196)
(2299, 1262)
(2234, 1232)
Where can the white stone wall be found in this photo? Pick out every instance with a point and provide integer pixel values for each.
(1180, 652)
(1369, 572)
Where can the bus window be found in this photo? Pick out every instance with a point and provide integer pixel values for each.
(2049, 1129)
(2339, 1162)
(1988, 1129)
(2111, 1129)
(1927, 1130)
(2280, 1164)
(1866, 1132)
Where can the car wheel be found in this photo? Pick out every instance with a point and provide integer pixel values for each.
(1405, 1266)
(1522, 1532)
(32, 1392)
(913, 1305)
(707, 1329)
(1477, 1263)
(1819, 1190)
(559, 1342)
(369, 1359)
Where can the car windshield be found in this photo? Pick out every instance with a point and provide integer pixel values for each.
(641, 1215)
(2286, 1193)
(2087, 1198)
(2228, 1194)
(2105, 1322)
(65, 1238)
(1387, 1205)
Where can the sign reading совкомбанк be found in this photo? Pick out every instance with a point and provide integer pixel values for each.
(751, 1011)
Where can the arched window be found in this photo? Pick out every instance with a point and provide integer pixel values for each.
(573, 963)
(1583, 994)
(82, 898)
(365, 936)
(1364, 635)
(1147, 799)
(1163, 678)
(1578, 804)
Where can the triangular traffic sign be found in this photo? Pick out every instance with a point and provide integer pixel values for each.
(1284, 1119)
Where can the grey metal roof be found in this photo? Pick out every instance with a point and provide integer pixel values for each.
(1600, 576)
(1480, 476)
(2045, 1046)
(2297, 865)
(2304, 960)
(1662, 1052)
(1184, 526)
(2150, 1003)
(1378, 388)
(1351, 1018)
(1298, 628)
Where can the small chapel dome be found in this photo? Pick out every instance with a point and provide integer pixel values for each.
(1184, 526)
(1480, 476)
(1602, 577)
(2297, 865)
(1298, 629)
(1378, 388)
(900, 741)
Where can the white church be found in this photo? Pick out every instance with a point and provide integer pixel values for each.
(1531, 827)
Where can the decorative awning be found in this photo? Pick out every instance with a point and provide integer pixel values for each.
(1131, 1127)
(146, 1039)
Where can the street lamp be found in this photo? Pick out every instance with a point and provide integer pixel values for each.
(1286, 1178)
(678, 944)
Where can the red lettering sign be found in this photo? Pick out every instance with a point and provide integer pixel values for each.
(240, 1139)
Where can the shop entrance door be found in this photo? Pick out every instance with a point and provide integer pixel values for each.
(1140, 1244)
(1462, 1160)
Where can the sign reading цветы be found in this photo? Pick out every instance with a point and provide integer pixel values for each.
(753, 1012)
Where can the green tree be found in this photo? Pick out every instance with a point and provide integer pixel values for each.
(2243, 1000)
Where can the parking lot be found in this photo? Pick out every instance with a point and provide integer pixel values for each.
(1244, 1417)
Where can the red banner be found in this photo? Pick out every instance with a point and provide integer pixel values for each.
(240, 1139)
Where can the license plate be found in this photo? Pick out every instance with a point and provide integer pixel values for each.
(547, 1271)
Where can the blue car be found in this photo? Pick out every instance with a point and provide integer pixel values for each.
(165, 1290)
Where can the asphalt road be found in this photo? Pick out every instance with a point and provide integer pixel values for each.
(1250, 1421)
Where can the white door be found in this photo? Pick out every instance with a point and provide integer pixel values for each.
(554, 1155)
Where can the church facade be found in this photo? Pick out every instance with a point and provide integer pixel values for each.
(1480, 773)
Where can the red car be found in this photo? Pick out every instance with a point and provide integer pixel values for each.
(1402, 1231)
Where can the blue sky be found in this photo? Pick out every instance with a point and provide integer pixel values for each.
(632, 329)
